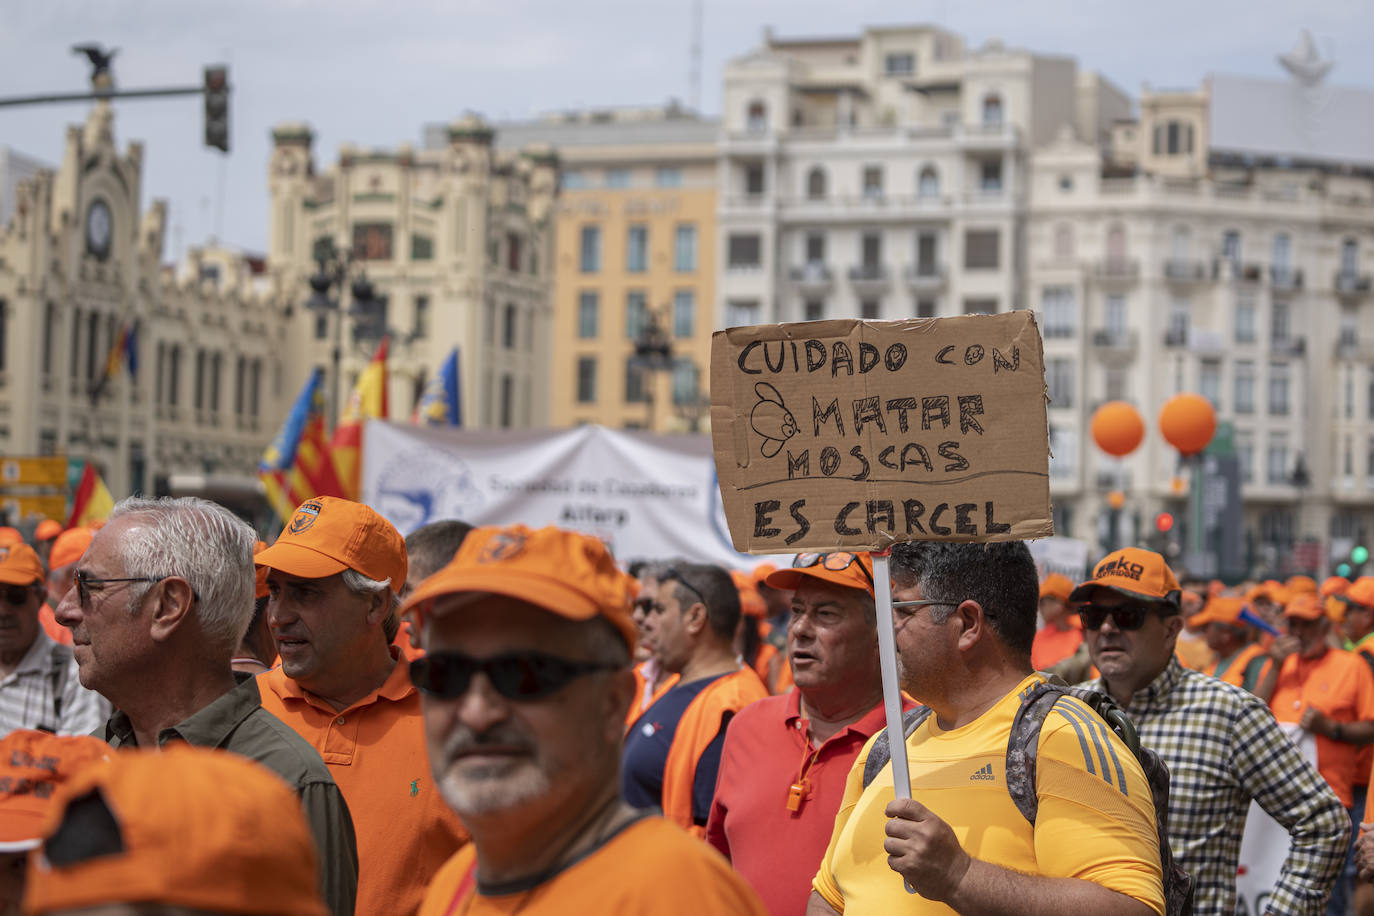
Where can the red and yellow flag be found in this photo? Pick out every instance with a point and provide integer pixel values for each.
(296, 465)
(92, 502)
(368, 401)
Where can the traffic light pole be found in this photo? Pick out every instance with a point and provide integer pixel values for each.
(100, 96)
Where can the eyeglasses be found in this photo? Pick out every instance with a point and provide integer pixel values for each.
(1124, 616)
(514, 675)
(673, 574)
(86, 583)
(924, 602)
(16, 595)
(837, 561)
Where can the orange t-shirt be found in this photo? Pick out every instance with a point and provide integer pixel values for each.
(375, 750)
(1339, 685)
(1052, 645)
(650, 866)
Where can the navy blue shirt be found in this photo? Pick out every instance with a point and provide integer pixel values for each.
(646, 752)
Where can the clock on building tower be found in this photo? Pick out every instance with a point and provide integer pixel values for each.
(99, 229)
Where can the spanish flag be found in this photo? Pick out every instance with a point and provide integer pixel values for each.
(368, 401)
(92, 502)
(296, 465)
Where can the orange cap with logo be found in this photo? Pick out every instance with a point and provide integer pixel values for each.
(19, 565)
(32, 765)
(751, 603)
(1305, 607)
(69, 547)
(327, 535)
(47, 530)
(1221, 609)
(189, 827)
(1135, 573)
(260, 589)
(1056, 585)
(567, 573)
(852, 570)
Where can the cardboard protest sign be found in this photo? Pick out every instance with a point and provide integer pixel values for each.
(857, 434)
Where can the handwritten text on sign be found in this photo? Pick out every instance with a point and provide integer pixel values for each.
(855, 434)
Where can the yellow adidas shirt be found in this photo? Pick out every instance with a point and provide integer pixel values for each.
(1096, 820)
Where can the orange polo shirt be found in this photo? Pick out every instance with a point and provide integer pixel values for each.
(1338, 684)
(375, 750)
(650, 866)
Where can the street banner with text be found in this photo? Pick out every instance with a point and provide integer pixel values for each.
(855, 435)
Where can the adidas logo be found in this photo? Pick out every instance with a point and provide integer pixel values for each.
(984, 773)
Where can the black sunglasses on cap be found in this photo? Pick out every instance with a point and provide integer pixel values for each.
(514, 675)
(1124, 616)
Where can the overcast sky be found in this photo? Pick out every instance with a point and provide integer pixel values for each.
(373, 72)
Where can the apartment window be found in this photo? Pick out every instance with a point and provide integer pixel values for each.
(1063, 449)
(617, 178)
(1348, 334)
(1209, 381)
(254, 387)
(1280, 323)
(174, 375)
(685, 247)
(927, 254)
(589, 257)
(1245, 320)
(1173, 138)
(684, 313)
(744, 251)
(980, 306)
(514, 249)
(813, 310)
(1063, 242)
(1060, 311)
(636, 313)
(1179, 313)
(928, 182)
(1181, 243)
(1283, 253)
(635, 390)
(899, 63)
(574, 181)
(1230, 247)
(925, 308)
(741, 313)
(1278, 389)
(1059, 380)
(75, 361)
(240, 369)
(93, 353)
(1114, 383)
(668, 177)
(509, 326)
(873, 181)
(981, 249)
(870, 309)
(992, 110)
(871, 245)
(1114, 315)
(586, 379)
(686, 382)
(815, 248)
(201, 363)
(637, 249)
(754, 184)
(1116, 244)
(1243, 390)
(1350, 257)
(756, 117)
(588, 314)
(1276, 459)
(815, 183)
(1245, 452)
(1348, 393)
(990, 176)
(421, 326)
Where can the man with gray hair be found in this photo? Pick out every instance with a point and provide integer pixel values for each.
(332, 609)
(162, 598)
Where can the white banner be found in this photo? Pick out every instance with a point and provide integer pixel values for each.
(647, 496)
(1066, 556)
(1264, 845)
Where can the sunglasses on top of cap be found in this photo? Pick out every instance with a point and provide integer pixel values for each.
(837, 561)
(1124, 616)
(519, 676)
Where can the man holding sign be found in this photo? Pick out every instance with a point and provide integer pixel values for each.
(965, 616)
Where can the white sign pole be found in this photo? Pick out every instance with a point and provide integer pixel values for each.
(892, 690)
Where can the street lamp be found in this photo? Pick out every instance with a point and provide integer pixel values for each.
(366, 308)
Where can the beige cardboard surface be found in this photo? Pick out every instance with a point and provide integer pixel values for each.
(857, 434)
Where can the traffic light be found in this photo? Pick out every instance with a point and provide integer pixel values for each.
(1359, 554)
(217, 108)
(1343, 570)
(1164, 522)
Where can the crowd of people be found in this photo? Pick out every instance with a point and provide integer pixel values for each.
(508, 720)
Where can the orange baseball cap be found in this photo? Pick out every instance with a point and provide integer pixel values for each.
(751, 603)
(1334, 585)
(191, 827)
(1221, 609)
(1056, 585)
(32, 765)
(1305, 607)
(327, 535)
(852, 570)
(1301, 585)
(19, 565)
(10, 535)
(567, 573)
(762, 572)
(47, 530)
(69, 547)
(260, 589)
(1133, 572)
(1361, 591)
(1270, 589)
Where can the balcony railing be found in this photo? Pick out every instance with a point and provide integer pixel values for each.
(1183, 271)
(1285, 278)
(1176, 337)
(922, 277)
(1289, 346)
(868, 275)
(812, 276)
(1117, 269)
(1110, 339)
(1239, 271)
(1348, 283)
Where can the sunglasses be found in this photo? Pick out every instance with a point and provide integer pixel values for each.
(16, 595)
(514, 675)
(1124, 616)
(837, 561)
(673, 574)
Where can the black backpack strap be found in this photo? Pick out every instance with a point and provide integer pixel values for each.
(881, 753)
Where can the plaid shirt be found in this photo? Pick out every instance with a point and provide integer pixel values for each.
(1223, 748)
(43, 692)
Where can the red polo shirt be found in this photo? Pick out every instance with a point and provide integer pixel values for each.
(766, 748)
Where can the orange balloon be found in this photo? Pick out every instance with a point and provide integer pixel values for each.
(1188, 422)
(1117, 428)
(1116, 499)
